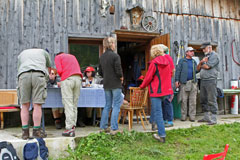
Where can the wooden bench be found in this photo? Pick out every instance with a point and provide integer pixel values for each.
(8, 103)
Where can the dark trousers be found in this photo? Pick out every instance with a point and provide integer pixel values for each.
(208, 96)
(167, 109)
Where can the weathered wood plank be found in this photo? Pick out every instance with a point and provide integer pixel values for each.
(3, 44)
(175, 6)
(194, 28)
(232, 9)
(224, 8)
(186, 28)
(208, 8)
(208, 29)
(237, 5)
(57, 26)
(216, 8)
(185, 7)
(167, 6)
(216, 32)
(69, 9)
(200, 6)
(233, 32)
(202, 29)
(193, 7)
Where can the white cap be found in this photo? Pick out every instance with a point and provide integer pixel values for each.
(189, 49)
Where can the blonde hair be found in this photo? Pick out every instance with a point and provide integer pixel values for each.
(107, 42)
(157, 50)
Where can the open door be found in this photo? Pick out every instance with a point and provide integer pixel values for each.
(163, 39)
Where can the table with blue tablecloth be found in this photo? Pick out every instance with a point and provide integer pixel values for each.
(89, 97)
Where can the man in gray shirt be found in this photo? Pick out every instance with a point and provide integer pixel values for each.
(31, 86)
(209, 68)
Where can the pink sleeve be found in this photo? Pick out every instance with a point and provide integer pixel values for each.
(58, 65)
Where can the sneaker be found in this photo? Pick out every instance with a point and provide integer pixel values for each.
(203, 120)
(106, 130)
(114, 132)
(39, 133)
(168, 125)
(154, 128)
(211, 123)
(192, 120)
(69, 132)
(25, 133)
(160, 139)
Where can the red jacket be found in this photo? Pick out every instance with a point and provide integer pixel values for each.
(158, 77)
(67, 65)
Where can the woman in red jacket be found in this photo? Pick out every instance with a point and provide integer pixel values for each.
(158, 80)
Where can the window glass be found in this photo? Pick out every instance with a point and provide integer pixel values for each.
(87, 55)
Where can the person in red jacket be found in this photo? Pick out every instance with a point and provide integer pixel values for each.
(158, 80)
(71, 76)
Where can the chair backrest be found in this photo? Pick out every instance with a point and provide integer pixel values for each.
(219, 156)
(138, 97)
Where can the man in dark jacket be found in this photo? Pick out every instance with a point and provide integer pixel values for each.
(185, 78)
(111, 71)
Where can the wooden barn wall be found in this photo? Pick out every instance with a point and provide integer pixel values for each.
(49, 24)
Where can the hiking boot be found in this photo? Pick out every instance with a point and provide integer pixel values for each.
(114, 132)
(154, 128)
(192, 120)
(211, 123)
(160, 139)
(58, 125)
(39, 133)
(203, 120)
(25, 133)
(106, 130)
(168, 125)
(69, 132)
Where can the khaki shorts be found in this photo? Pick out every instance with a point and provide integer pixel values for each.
(32, 85)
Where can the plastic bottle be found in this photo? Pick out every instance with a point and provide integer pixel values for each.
(84, 82)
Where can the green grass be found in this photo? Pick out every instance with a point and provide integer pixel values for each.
(181, 144)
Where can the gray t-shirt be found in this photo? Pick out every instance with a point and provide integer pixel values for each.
(213, 63)
(33, 59)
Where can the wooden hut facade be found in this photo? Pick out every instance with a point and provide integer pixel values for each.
(56, 24)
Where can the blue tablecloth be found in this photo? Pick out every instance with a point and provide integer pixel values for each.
(89, 97)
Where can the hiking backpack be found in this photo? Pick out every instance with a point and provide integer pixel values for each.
(7, 151)
(35, 149)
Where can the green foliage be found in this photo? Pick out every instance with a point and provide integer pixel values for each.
(181, 144)
(87, 55)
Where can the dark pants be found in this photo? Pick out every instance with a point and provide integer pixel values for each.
(167, 109)
(208, 96)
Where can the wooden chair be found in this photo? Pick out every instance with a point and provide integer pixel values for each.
(8, 103)
(218, 156)
(138, 102)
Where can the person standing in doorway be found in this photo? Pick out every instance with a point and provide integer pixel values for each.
(209, 68)
(32, 79)
(185, 79)
(111, 71)
(68, 69)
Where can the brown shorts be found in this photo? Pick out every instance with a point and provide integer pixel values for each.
(32, 85)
